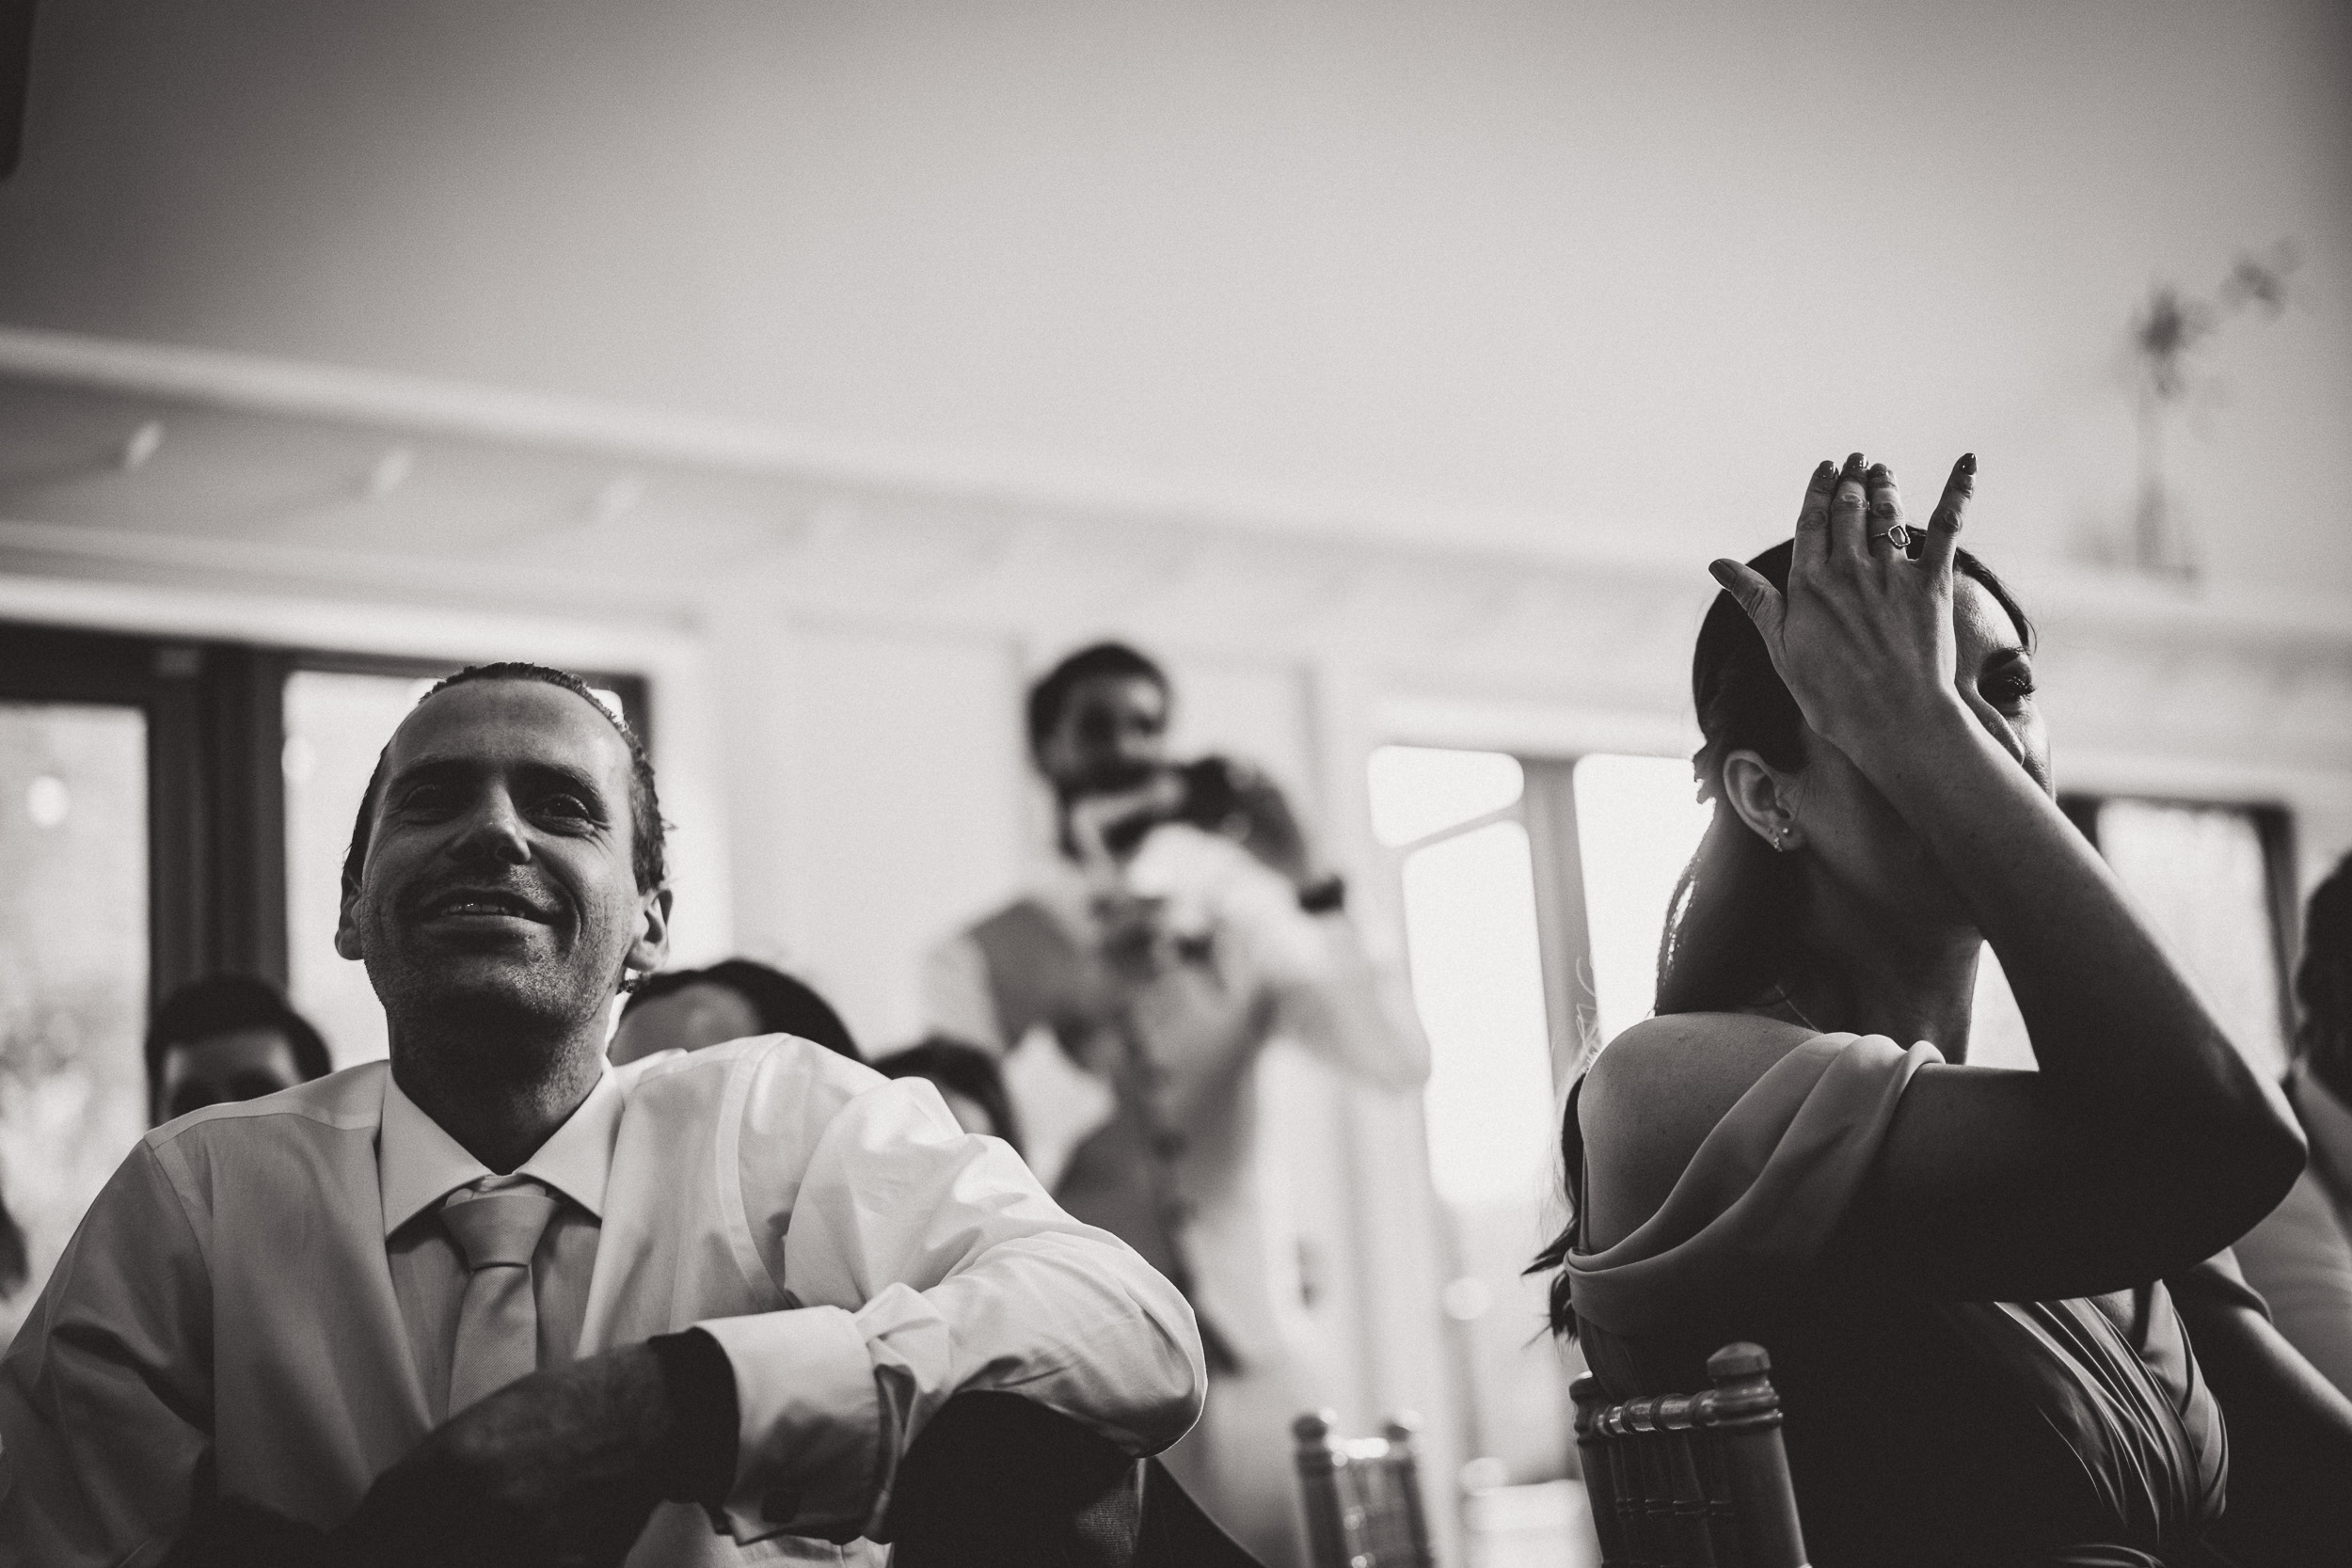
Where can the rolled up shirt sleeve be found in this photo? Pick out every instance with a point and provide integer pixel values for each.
(105, 1396)
(927, 1261)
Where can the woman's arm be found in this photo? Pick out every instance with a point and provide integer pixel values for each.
(2144, 1143)
(2290, 1429)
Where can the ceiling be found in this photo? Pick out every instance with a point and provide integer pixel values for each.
(660, 302)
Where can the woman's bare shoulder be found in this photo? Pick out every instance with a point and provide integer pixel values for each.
(1654, 1093)
(1685, 1056)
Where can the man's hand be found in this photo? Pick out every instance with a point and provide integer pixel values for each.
(560, 1467)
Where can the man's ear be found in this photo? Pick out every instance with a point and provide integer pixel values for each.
(347, 923)
(652, 947)
(1764, 797)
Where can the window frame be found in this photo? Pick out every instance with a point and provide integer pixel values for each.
(215, 772)
(214, 795)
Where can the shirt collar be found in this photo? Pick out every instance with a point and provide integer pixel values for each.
(418, 1164)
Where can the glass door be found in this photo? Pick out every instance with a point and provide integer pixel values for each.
(74, 972)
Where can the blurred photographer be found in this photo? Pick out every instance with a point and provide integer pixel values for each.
(1186, 922)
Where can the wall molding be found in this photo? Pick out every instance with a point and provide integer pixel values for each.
(819, 528)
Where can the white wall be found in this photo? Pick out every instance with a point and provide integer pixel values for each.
(1556, 277)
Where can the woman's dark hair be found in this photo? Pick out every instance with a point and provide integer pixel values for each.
(782, 1004)
(1732, 931)
(223, 1004)
(2322, 983)
(966, 1069)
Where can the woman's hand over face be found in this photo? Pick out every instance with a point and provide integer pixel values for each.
(1863, 637)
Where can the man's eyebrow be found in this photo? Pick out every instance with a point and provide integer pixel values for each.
(562, 773)
(537, 773)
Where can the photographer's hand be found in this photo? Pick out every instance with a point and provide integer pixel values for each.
(1263, 823)
(1106, 830)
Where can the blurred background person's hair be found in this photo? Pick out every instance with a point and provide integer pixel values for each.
(2300, 1258)
(15, 1264)
(1096, 662)
(228, 1037)
(2323, 988)
(686, 1009)
(967, 1079)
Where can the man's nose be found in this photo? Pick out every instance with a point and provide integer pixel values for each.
(493, 830)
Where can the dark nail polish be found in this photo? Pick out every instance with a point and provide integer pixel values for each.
(1967, 462)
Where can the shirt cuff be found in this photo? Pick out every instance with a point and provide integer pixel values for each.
(810, 1424)
(698, 1462)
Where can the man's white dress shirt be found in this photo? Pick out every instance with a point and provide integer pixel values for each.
(268, 1282)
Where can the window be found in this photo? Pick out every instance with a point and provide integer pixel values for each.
(2216, 881)
(1476, 948)
(1637, 825)
(74, 883)
(128, 857)
(165, 807)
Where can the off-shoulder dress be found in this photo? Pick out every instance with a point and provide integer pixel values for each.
(1920, 1431)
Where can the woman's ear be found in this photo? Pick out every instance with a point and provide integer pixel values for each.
(1765, 798)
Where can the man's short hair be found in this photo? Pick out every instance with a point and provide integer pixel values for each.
(1096, 662)
(782, 1004)
(223, 1004)
(649, 852)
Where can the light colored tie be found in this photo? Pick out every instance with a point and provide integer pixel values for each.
(498, 1324)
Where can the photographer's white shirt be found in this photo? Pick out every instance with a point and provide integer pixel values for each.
(1236, 965)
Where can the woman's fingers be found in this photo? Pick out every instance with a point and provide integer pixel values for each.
(1847, 508)
(1813, 518)
(1883, 514)
(1755, 595)
(1944, 524)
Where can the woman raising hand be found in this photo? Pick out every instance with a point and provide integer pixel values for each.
(1956, 1269)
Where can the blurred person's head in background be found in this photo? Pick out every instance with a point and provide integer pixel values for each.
(15, 1263)
(967, 1079)
(686, 1009)
(1098, 722)
(229, 1036)
(2323, 984)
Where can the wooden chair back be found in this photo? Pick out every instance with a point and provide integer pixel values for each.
(1691, 1481)
(1363, 1495)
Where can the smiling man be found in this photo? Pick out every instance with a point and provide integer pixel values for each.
(497, 1301)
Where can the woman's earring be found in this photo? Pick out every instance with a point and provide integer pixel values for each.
(1780, 839)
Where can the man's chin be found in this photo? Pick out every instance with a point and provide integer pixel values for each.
(452, 980)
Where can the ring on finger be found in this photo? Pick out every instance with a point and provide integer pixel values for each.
(1897, 535)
